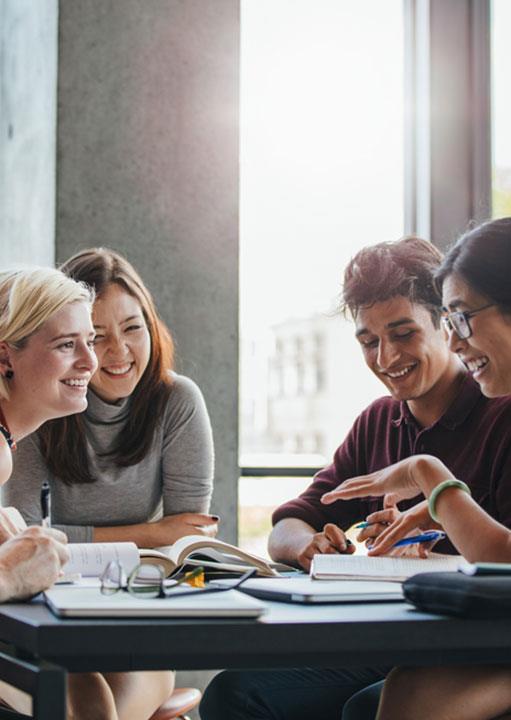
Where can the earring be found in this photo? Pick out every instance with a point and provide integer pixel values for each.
(9, 374)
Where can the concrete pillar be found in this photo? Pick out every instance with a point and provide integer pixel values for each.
(28, 79)
(148, 165)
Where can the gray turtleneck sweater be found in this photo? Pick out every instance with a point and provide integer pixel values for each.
(175, 476)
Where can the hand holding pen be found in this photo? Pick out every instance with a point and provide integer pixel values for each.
(416, 520)
(378, 521)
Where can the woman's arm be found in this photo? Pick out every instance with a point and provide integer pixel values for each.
(471, 530)
(187, 451)
(162, 532)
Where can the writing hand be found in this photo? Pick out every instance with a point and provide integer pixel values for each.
(331, 540)
(31, 561)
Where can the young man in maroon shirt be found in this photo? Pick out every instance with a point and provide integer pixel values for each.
(434, 407)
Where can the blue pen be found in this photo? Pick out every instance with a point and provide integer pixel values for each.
(426, 537)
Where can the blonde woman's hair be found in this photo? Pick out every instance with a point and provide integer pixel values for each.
(29, 296)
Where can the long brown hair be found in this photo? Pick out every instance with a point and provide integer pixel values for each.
(62, 441)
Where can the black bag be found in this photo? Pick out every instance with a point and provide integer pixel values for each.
(453, 593)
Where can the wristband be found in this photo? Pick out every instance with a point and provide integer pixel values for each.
(439, 489)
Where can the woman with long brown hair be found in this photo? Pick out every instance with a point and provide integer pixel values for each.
(138, 464)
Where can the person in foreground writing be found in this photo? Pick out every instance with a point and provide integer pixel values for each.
(476, 289)
(434, 406)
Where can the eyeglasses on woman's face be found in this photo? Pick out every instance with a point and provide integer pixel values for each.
(149, 581)
(459, 321)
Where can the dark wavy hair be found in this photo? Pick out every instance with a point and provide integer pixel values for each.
(482, 258)
(380, 272)
(63, 441)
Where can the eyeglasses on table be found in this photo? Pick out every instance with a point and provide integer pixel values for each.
(149, 581)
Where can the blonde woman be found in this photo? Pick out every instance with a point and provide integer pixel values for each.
(46, 362)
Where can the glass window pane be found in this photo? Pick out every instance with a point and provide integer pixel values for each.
(321, 176)
(501, 108)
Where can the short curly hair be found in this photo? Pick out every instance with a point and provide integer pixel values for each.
(379, 272)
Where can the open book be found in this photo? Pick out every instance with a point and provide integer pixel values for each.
(214, 555)
(398, 569)
(90, 559)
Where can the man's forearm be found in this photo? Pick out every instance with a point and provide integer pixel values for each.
(287, 538)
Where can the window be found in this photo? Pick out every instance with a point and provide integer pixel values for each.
(321, 176)
(501, 109)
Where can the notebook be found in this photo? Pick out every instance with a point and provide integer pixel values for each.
(305, 590)
(396, 569)
(86, 602)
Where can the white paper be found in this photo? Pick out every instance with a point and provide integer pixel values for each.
(90, 559)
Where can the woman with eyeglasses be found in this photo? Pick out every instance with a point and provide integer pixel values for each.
(475, 278)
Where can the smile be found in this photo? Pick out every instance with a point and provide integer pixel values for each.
(475, 365)
(76, 382)
(400, 373)
(119, 370)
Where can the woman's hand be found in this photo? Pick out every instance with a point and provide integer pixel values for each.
(160, 532)
(380, 520)
(172, 527)
(411, 522)
(406, 479)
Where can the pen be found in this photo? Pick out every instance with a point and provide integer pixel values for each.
(425, 537)
(46, 504)
(366, 524)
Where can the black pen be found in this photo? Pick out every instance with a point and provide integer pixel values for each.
(46, 504)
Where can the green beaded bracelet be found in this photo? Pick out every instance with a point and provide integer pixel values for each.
(439, 489)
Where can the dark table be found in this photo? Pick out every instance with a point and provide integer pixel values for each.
(289, 635)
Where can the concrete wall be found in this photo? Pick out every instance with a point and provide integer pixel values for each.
(148, 165)
(28, 77)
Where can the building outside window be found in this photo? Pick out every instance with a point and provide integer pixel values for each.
(322, 170)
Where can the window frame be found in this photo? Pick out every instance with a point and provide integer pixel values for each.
(438, 66)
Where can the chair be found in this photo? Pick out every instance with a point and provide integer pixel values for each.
(179, 703)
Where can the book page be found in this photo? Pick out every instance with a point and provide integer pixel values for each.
(392, 568)
(90, 559)
(216, 549)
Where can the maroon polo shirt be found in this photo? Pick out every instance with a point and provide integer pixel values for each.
(472, 438)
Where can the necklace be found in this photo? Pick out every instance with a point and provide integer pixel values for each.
(4, 429)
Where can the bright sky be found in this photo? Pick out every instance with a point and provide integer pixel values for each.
(501, 74)
(322, 148)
